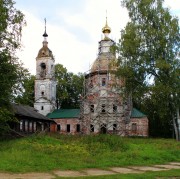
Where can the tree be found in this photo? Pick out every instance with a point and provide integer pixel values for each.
(11, 23)
(69, 87)
(26, 94)
(148, 58)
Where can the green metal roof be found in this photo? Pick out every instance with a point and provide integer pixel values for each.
(74, 113)
(137, 114)
(64, 113)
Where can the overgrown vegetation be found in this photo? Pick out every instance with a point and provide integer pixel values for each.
(149, 61)
(11, 70)
(45, 153)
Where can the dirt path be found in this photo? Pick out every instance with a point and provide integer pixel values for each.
(91, 172)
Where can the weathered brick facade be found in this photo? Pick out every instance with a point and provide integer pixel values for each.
(105, 108)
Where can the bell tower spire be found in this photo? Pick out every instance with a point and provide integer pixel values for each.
(45, 34)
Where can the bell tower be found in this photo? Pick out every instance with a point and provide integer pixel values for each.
(45, 84)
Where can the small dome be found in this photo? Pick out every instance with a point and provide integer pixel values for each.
(106, 28)
(45, 52)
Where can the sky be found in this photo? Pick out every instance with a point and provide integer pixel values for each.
(74, 28)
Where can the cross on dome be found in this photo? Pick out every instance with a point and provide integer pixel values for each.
(106, 29)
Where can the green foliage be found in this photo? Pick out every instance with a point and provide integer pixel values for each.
(5, 117)
(45, 153)
(11, 70)
(69, 87)
(148, 57)
(26, 95)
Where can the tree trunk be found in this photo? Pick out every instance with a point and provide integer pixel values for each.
(178, 123)
(175, 129)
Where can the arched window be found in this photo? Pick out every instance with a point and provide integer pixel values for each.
(43, 66)
(43, 69)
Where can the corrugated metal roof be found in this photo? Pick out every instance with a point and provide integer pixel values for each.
(137, 114)
(64, 113)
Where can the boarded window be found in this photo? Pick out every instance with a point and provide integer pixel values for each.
(58, 127)
(134, 127)
(78, 128)
(103, 81)
(68, 128)
(91, 128)
(92, 108)
(103, 109)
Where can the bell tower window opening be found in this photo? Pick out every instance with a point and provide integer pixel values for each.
(42, 107)
(43, 66)
(43, 69)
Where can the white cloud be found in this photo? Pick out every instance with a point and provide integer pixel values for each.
(173, 4)
(74, 38)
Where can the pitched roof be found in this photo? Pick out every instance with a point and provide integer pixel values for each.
(74, 113)
(24, 110)
(136, 113)
(64, 113)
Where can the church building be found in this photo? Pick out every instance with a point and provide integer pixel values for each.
(105, 108)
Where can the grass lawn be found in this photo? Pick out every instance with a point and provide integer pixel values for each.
(46, 153)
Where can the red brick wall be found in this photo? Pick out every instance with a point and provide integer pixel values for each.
(141, 128)
(63, 125)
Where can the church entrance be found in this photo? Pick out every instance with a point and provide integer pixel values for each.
(103, 129)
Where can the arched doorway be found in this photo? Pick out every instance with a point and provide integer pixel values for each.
(103, 129)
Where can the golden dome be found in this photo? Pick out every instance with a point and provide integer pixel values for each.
(106, 28)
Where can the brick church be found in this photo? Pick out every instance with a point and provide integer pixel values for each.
(105, 108)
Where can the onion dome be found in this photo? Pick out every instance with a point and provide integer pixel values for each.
(106, 29)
